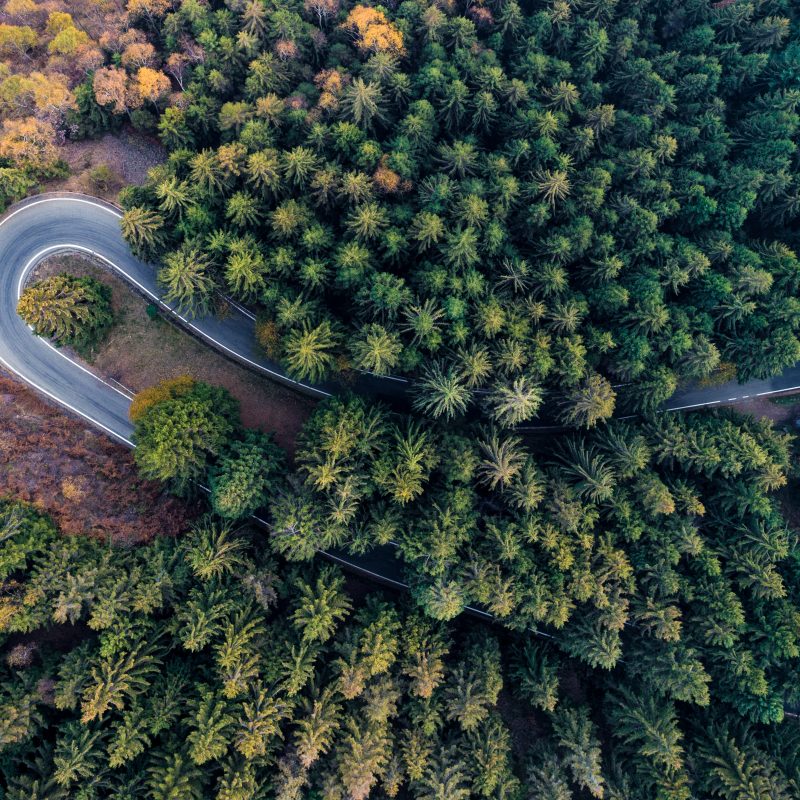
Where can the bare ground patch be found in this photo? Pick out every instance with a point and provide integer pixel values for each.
(781, 413)
(127, 154)
(140, 351)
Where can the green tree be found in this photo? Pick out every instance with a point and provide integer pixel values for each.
(588, 403)
(376, 349)
(177, 439)
(577, 736)
(320, 608)
(245, 476)
(70, 310)
(362, 102)
(513, 403)
(188, 283)
(310, 351)
(143, 231)
(441, 392)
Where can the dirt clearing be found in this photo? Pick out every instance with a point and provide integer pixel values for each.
(781, 409)
(101, 167)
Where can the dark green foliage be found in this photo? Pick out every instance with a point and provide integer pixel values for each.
(89, 119)
(657, 546)
(209, 671)
(243, 478)
(14, 185)
(537, 200)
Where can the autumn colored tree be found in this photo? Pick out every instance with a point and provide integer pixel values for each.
(374, 32)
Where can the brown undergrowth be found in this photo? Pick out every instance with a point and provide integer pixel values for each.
(86, 482)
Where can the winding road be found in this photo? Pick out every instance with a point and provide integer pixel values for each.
(52, 223)
(48, 224)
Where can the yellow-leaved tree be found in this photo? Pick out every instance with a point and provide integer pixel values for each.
(374, 33)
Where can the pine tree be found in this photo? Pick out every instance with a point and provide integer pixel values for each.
(119, 679)
(588, 403)
(143, 231)
(173, 775)
(516, 402)
(309, 351)
(362, 755)
(78, 755)
(577, 735)
(209, 737)
(317, 726)
(441, 392)
(246, 476)
(187, 282)
(444, 779)
(535, 672)
(320, 608)
(649, 728)
(71, 311)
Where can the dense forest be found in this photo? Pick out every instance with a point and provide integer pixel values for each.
(655, 544)
(536, 201)
(196, 668)
(567, 207)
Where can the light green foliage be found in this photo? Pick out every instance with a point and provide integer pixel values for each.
(177, 438)
(309, 352)
(187, 283)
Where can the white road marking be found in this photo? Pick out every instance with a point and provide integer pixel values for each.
(72, 246)
(682, 408)
(126, 394)
(66, 404)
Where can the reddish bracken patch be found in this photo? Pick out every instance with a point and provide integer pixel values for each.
(86, 482)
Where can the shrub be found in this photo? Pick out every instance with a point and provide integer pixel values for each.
(102, 178)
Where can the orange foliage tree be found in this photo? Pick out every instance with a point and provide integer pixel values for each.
(151, 9)
(139, 54)
(29, 142)
(111, 88)
(36, 93)
(374, 33)
(152, 85)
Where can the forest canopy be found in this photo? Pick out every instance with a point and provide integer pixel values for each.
(520, 206)
(583, 204)
(200, 668)
(659, 544)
